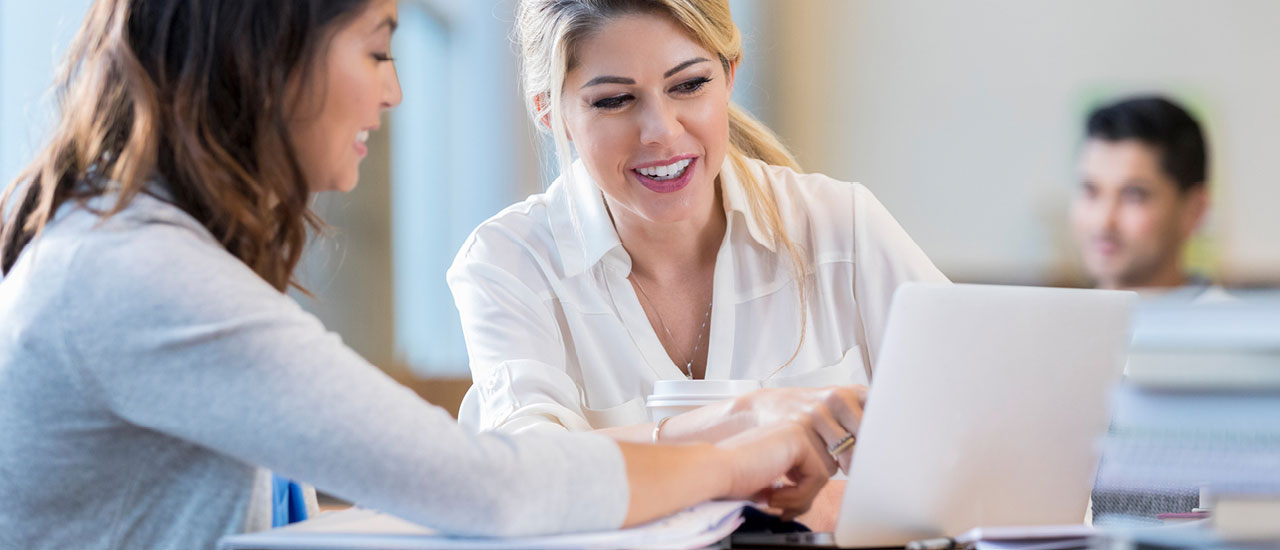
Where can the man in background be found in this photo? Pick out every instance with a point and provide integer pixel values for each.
(1143, 193)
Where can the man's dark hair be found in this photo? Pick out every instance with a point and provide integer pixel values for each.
(1161, 124)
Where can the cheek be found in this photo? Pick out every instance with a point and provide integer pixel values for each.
(1137, 221)
(314, 148)
(1079, 215)
(602, 142)
(708, 121)
(1088, 215)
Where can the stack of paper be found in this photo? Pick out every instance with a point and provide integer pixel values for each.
(1041, 537)
(360, 529)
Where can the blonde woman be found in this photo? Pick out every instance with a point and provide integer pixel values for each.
(683, 243)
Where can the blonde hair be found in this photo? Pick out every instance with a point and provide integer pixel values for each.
(547, 32)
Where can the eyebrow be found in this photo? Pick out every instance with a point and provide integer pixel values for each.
(684, 66)
(389, 22)
(623, 80)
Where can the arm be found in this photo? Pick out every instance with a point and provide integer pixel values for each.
(174, 335)
(665, 478)
(886, 258)
(517, 353)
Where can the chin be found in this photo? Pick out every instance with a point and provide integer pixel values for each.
(345, 184)
(677, 210)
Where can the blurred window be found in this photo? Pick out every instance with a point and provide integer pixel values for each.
(427, 334)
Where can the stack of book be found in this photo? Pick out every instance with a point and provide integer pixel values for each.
(1196, 423)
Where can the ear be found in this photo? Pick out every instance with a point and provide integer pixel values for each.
(540, 103)
(1195, 202)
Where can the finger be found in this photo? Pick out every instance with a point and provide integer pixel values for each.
(845, 405)
(818, 447)
(845, 459)
(796, 499)
(860, 392)
(826, 427)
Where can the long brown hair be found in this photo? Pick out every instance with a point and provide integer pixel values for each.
(192, 96)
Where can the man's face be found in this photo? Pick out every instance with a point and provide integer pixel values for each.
(1129, 216)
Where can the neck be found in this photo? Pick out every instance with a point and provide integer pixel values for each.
(667, 251)
(1170, 276)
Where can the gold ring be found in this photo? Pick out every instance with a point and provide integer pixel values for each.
(843, 445)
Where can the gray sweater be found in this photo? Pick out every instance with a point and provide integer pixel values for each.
(147, 378)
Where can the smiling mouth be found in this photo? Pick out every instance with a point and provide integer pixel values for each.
(667, 178)
(667, 172)
(361, 148)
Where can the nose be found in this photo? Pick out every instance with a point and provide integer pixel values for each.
(1107, 214)
(391, 93)
(660, 124)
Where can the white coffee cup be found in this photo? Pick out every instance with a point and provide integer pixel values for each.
(672, 397)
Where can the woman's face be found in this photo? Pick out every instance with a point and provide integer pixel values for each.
(647, 108)
(353, 81)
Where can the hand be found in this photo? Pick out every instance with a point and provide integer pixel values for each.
(825, 512)
(789, 451)
(831, 413)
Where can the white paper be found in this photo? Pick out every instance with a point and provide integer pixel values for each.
(361, 529)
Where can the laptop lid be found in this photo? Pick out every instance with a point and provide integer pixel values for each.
(986, 408)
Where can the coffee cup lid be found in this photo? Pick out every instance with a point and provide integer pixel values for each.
(703, 388)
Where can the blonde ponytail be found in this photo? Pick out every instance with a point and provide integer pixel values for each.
(751, 139)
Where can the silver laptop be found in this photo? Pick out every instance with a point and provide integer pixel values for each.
(985, 409)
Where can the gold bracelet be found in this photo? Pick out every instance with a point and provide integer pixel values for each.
(657, 428)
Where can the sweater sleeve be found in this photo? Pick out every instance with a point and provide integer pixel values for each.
(178, 336)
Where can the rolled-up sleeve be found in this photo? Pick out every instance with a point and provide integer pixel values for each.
(513, 339)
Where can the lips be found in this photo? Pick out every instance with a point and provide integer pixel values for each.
(666, 176)
(1106, 247)
(361, 137)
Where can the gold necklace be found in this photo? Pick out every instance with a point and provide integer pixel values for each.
(688, 365)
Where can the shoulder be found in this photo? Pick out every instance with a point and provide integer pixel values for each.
(148, 265)
(82, 239)
(804, 195)
(816, 208)
(520, 240)
(152, 264)
(149, 234)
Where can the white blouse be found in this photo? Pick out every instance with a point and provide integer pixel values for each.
(558, 339)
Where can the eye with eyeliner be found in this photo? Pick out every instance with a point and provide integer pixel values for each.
(688, 87)
(691, 86)
(612, 102)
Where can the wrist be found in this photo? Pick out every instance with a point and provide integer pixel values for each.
(720, 467)
(657, 429)
(740, 413)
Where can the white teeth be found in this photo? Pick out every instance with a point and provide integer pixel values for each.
(670, 171)
(362, 136)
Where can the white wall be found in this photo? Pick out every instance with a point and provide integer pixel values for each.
(964, 117)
